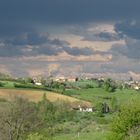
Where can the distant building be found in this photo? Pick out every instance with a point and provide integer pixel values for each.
(38, 84)
(64, 79)
(83, 108)
(136, 88)
(37, 81)
(59, 79)
(72, 79)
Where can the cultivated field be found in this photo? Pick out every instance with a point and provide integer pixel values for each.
(36, 95)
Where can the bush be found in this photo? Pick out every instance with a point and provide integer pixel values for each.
(20, 119)
(114, 104)
(126, 124)
(2, 84)
(110, 85)
(36, 136)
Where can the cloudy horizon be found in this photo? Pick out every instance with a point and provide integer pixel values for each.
(70, 37)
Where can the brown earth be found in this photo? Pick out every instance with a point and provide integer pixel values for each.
(36, 95)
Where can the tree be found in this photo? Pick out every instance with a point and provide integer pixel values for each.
(109, 85)
(114, 104)
(2, 84)
(18, 120)
(28, 80)
(47, 111)
(126, 124)
(43, 81)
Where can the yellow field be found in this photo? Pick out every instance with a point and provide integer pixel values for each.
(35, 95)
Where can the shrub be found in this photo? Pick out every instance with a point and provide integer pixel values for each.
(19, 119)
(126, 124)
(110, 85)
(36, 136)
(114, 104)
(2, 84)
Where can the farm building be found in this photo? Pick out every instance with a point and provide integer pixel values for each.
(83, 107)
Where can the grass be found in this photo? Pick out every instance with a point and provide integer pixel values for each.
(82, 84)
(7, 84)
(93, 128)
(96, 95)
(83, 136)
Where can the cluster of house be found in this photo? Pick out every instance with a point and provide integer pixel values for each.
(133, 84)
(65, 79)
(37, 80)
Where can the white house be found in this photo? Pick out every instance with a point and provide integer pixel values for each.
(85, 109)
(38, 83)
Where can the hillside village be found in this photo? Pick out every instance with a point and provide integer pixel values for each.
(62, 79)
(40, 80)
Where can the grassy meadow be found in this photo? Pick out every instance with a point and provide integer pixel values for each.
(96, 95)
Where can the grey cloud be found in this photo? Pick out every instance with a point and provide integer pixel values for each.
(10, 51)
(29, 38)
(28, 16)
(33, 43)
(11, 27)
(65, 11)
(18, 16)
(131, 49)
(121, 63)
(37, 43)
(79, 51)
(108, 36)
(129, 28)
(103, 36)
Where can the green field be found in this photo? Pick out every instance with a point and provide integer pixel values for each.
(96, 95)
(83, 136)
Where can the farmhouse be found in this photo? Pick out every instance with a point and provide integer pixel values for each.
(72, 79)
(83, 107)
(59, 79)
(37, 81)
(64, 79)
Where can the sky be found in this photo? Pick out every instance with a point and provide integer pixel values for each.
(70, 37)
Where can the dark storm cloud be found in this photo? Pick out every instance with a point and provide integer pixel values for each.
(18, 17)
(33, 43)
(131, 49)
(30, 43)
(79, 51)
(10, 28)
(105, 36)
(30, 38)
(102, 36)
(129, 28)
(7, 50)
(68, 10)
